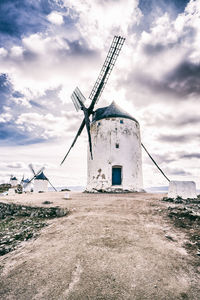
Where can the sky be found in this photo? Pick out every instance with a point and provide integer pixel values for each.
(48, 47)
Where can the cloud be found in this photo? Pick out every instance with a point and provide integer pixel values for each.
(166, 63)
(16, 165)
(177, 171)
(190, 155)
(22, 17)
(55, 18)
(177, 138)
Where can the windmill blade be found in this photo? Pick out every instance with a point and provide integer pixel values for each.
(36, 174)
(31, 168)
(87, 123)
(51, 185)
(77, 97)
(26, 184)
(78, 100)
(108, 65)
(74, 141)
(21, 182)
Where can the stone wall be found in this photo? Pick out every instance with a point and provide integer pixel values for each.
(11, 209)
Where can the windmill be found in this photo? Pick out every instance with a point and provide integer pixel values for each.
(13, 181)
(40, 180)
(78, 98)
(114, 152)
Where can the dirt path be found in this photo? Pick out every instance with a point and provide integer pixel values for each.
(110, 247)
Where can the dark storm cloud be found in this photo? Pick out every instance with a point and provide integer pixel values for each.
(16, 165)
(22, 17)
(186, 120)
(178, 138)
(10, 134)
(178, 172)
(190, 155)
(186, 78)
(176, 121)
(152, 9)
(17, 95)
(79, 48)
(153, 49)
(179, 83)
(5, 90)
(165, 158)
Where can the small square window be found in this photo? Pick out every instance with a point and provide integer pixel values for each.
(117, 145)
(122, 121)
(99, 123)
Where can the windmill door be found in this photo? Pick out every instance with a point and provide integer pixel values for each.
(116, 176)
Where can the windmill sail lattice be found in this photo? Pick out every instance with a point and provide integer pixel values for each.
(108, 65)
(77, 97)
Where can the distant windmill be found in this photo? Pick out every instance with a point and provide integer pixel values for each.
(40, 180)
(26, 185)
(13, 181)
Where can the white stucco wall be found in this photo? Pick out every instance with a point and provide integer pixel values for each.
(105, 134)
(183, 189)
(14, 182)
(40, 185)
(27, 188)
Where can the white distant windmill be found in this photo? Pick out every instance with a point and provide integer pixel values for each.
(40, 180)
(13, 181)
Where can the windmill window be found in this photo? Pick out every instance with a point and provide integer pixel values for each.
(99, 123)
(116, 145)
(122, 121)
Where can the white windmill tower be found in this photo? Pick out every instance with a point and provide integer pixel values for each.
(26, 185)
(114, 152)
(13, 181)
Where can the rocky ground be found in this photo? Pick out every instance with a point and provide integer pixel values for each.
(20, 223)
(110, 247)
(185, 214)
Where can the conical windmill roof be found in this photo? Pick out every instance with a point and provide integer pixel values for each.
(13, 178)
(41, 176)
(111, 111)
(26, 180)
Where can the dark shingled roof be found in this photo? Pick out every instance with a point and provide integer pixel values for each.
(41, 176)
(26, 180)
(111, 111)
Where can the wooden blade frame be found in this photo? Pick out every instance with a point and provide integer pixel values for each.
(108, 65)
(36, 174)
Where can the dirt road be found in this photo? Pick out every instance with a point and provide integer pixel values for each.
(109, 247)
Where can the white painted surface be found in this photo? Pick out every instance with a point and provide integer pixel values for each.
(11, 192)
(40, 185)
(105, 134)
(66, 196)
(14, 182)
(183, 189)
(27, 188)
